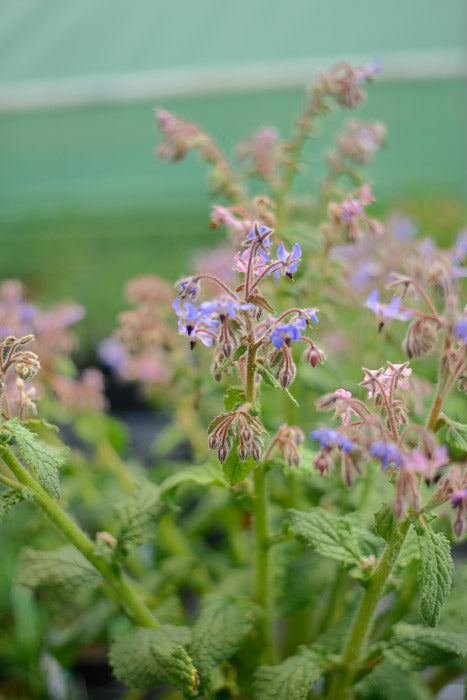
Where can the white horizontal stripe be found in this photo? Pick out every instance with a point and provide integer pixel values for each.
(180, 82)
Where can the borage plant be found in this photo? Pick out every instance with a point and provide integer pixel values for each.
(282, 567)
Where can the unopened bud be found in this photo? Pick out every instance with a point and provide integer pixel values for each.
(222, 453)
(255, 451)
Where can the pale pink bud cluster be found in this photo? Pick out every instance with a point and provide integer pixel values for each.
(287, 439)
(236, 428)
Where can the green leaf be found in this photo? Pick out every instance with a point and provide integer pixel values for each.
(386, 522)
(234, 469)
(202, 475)
(386, 682)
(270, 379)
(456, 436)
(44, 459)
(415, 647)
(434, 572)
(146, 658)
(329, 534)
(233, 398)
(224, 622)
(137, 516)
(9, 498)
(290, 680)
(241, 350)
(65, 569)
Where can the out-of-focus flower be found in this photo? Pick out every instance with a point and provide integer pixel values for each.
(460, 330)
(329, 438)
(428, 466)
(388, 311)
(386, 452)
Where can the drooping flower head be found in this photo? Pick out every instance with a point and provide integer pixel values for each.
(329, 438)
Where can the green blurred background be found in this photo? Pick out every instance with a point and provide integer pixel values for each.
(84, 204)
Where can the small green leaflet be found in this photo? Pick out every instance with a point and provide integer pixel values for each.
(241, 350)
(434, 572)
(146, 658)
(234, 469)
(224, 622)
(137, 516)
(270, 379)
(329, 534)
(385, 522)
(64, 569)
(44, 459)
(202, 475)
(290, 680)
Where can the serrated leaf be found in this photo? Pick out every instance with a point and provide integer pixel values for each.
(65, 569)
(9, 499)
(329, 534)
(234, 469)
(434, 572)
(44, 459)
(224, 622)
(202, 475)
(146, 658)
(456, 436)
(415, 647)
(386, 522)
(137, 516)
(233, 398)
(290, 680)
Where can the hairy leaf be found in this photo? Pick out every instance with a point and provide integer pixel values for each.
(44, 459)
(331, 535)
(203, 475)
(434, 572)
(224, 622)
(146, 658)
(137, 515)
(290, 680)
(64, 569)
(415, 647)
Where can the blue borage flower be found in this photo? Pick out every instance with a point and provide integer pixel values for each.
(331, 438)
(288, 332)
(386, 312)
(386, 452)
(223, 307)
(460, 330)
(288, 262)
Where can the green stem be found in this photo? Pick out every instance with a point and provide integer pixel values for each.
(342, 682)
(118, 581)
(440, 387)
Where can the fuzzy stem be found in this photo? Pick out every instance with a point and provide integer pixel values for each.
(342, 682)
(261, 589)
(120, 584)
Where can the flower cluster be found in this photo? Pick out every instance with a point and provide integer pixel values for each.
(348, 218)
(54, 340)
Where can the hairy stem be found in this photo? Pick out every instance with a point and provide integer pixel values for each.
(343, 679)
(118, 581)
